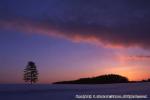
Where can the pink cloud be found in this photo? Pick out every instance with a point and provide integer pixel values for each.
(88, 34)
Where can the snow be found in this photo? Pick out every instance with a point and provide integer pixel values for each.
(69, 92)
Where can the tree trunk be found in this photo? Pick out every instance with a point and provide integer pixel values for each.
(31, 78)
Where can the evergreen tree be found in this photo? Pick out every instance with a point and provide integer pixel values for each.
(31, 73)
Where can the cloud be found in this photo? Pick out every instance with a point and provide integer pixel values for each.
(113, 24)
(134, 58)
(140, 57)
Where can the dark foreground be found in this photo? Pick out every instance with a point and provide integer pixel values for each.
(76, 92)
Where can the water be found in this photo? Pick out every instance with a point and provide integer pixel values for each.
(73, 92)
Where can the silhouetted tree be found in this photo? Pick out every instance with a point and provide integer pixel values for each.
(31, 73)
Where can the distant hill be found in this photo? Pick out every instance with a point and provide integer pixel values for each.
(103, 79)
(148, 80)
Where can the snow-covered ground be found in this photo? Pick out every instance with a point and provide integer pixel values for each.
(74, 92)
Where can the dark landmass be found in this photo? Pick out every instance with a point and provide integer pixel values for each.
(103, 79)
(148, 80)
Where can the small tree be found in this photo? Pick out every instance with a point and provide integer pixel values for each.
(31, 73)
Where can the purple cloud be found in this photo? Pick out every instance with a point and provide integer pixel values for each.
(120, 23)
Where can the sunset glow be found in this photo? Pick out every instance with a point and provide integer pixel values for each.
(67, 43)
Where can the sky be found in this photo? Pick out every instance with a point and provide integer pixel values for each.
(71, 39)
